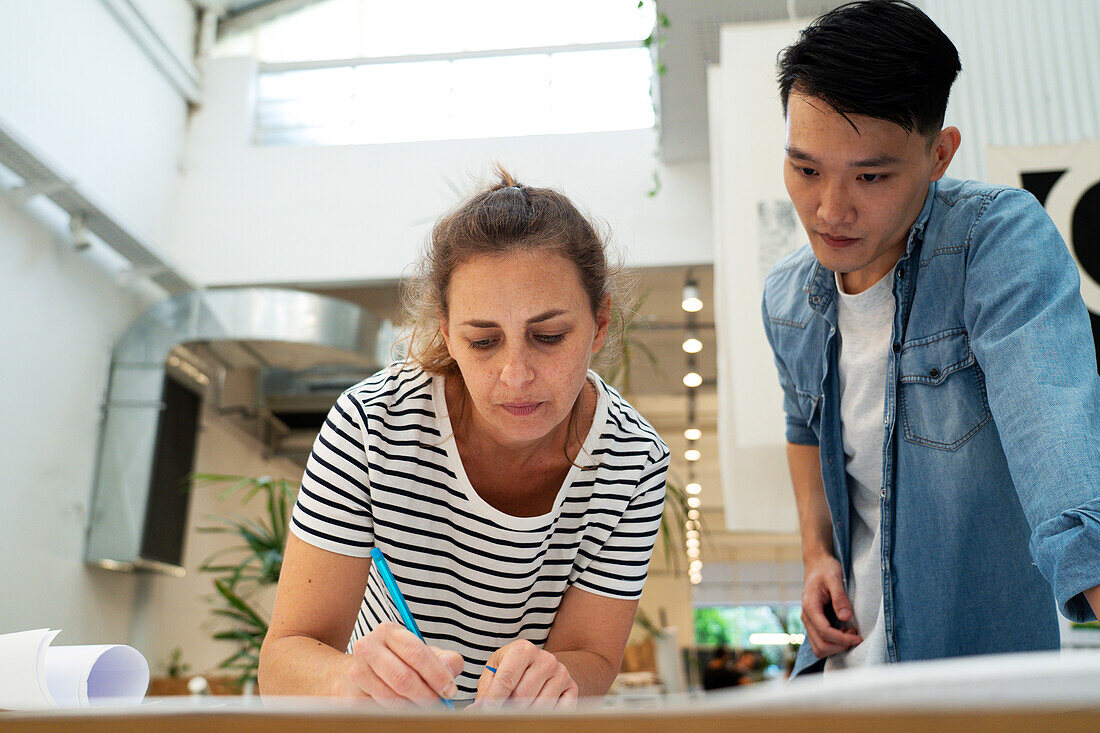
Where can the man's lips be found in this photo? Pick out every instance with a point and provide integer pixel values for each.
(836, 240)
(521, 408)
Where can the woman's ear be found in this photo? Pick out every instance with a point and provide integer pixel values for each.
(444, 330)
(603, 321)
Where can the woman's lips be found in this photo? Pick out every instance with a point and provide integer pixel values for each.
(833, 241)
(519, 409)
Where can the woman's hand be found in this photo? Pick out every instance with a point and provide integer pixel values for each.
(525, 675)
(393, 667)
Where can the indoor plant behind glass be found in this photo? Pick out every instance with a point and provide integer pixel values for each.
(243, 570)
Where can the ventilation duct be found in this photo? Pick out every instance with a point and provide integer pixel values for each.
(229, 348)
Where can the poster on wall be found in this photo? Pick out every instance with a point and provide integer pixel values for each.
(1066, 181)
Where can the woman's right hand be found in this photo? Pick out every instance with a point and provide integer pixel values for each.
(822, 594)
(394, 668)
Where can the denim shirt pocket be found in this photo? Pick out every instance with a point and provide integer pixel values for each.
(942, 391)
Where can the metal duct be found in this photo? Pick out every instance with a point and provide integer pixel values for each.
(140, 382)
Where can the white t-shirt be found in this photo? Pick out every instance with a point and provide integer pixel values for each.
(866, 322)
(385, 471)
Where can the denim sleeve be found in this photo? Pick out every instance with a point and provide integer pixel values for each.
(797, 429)
(1031, 335)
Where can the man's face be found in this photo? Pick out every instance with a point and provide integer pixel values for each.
(858, 189)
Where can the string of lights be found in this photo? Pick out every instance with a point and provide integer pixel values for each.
(692, 304)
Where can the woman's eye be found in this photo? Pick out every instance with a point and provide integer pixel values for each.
(482, 343)
(549, 338)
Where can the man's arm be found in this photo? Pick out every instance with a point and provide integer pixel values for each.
(823, 585)
(1092, 595)
(1030, 332)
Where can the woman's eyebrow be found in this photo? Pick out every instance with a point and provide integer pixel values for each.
(534, 319)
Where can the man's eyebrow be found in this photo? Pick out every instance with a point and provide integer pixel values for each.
(875, 161)
(534, 319)
(793, 152)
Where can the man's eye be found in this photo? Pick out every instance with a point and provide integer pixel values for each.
(872, 177)
(807, 171)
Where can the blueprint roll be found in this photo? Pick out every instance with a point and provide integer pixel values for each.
(34, 675)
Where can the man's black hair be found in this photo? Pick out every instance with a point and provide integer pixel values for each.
(878, 58)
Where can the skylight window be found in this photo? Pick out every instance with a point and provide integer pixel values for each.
(362, 71)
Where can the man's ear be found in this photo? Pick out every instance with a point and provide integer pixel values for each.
(943, 149)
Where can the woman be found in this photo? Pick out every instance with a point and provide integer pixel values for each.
(515, 495)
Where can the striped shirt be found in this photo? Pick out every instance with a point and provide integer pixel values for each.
(385, 471)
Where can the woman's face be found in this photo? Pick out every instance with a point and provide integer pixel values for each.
(522, 331)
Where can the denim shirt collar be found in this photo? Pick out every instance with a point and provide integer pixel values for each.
(820, 285)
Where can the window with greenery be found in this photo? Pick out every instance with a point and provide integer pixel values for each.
(735, 625)
(366, 71)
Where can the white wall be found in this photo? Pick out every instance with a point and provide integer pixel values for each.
(59, 316)
(74, 84)
(747, 135)
(317, 214)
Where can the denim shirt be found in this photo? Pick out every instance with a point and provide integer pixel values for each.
(991, 448)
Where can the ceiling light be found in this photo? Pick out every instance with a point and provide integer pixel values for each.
(692, 534)
(690, 301)
(691, 454)
(693, 433)
(693, 515)
(696, 566)
(691, 543)
(692, 379)
(694, 502)
(692, 345)
(690, 525)
(693, 488)
(696, 579)
(693, 552)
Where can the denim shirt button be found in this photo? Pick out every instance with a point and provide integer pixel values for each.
(897, 348)
(901, 272)
(933, 372)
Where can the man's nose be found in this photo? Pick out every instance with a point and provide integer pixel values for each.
(835, 207)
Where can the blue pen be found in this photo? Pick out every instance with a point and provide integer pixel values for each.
(379, 560)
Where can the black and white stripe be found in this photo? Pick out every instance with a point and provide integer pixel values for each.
(385, 471)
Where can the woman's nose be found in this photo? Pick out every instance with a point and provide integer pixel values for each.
(517, 371)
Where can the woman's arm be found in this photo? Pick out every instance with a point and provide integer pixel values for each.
(318, 599)
(589, 635)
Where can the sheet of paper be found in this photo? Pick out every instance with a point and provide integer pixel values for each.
(22, 682)
(108, 674)
(34, 675)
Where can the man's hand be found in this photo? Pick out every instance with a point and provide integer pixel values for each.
(525, 675)
(822, 594)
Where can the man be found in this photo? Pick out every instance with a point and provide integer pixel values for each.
(939, 374)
